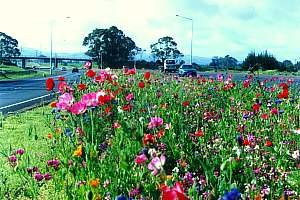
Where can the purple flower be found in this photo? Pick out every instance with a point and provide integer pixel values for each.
(53, 163)
(29, 170)
(20, 151)
(12, 158)
(38, 177)
(35, 169)
(47, 177)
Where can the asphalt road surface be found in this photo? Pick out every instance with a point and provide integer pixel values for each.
(17, 95)
(20, 94)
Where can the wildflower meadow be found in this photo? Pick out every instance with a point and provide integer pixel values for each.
(146, 135)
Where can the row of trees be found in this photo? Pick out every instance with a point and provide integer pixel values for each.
(113, 48)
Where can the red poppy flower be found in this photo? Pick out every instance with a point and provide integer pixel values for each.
(256, 107)
(53, 104)
(147, 75)
(264, 116)
(50, 84)
(107, 110)
(160, 133)
(103, 99)
(141, 84)
(284, 94)
(175, 193)
(82, 86)
(246, 142)
(61, 78)
(127, 107)
(186, 103)
(148, 138)
(90, 73)
(198, 133)
(269, 144)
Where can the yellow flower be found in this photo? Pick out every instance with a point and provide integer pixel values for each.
(78, 151)
(58, 131)
(94, 182)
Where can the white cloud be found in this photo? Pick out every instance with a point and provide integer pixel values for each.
(220, 26)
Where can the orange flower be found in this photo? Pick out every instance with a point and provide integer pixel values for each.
(94, 182)
(50, 135)
(258, 197)
(78, 151)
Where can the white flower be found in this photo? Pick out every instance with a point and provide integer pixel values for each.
(297, 131)
(295, 154)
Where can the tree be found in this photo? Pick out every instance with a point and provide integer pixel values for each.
(226, 62)
(8, 46)
(265, 61)
(115, 47)
(165, 48)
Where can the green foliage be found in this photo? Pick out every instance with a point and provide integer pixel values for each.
(115, 47)
(265, 61)
(165, 48)
(8, 46)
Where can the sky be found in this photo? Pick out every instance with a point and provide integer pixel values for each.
(221, 27)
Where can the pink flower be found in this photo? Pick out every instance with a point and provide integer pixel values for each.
(101, 77)
(140, 159)
(90, 99)
(129, 97)
(88, 65)
(157, 164)
(116, 125)
(65, 101)
(274, 111)
(155, 122)
(220, 77)
(168, 126)
(78, 108)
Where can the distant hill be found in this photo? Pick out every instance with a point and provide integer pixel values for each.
(145, 56)
(35, 53)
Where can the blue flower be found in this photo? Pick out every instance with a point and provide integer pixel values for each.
(68, 132)
(277, 101)
(281, 111)
(234, 194)
(121, 197)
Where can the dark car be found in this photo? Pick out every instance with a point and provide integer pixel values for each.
(75, 70)
(187, 70)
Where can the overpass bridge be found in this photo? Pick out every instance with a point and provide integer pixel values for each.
(46, 59)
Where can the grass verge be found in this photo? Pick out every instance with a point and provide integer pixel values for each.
(27, 130)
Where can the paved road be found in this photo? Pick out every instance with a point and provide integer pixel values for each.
(19, 94)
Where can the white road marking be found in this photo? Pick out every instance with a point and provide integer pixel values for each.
(15, 104)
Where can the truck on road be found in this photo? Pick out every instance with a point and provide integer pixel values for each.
(170, 65)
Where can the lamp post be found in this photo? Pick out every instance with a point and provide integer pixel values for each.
(191, 59)
(51, 43)
(51, 25)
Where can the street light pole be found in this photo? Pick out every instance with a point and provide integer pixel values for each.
(51, 47)
(51, 43)
(191, 59)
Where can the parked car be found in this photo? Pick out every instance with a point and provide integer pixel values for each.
(187, 70)
(63, 69)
